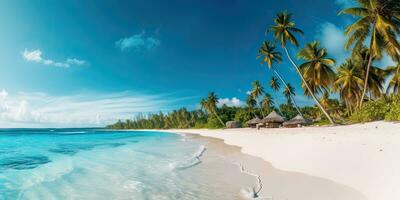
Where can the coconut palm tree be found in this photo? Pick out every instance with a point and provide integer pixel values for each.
(325, 99)
(267, 102)
(275, 85)
(376, 77)
(317, 68)
(256, 92)
(203, 104)
(251, 103)
(269, 56)
(288, 92)
(210, 105)
(348, 83)
(283, 31)
(378, 20)
(394, 84)
(257, 89)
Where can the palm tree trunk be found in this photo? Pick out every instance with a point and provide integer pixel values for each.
(252, 111)
(262, 112)
(291, 97)
(366, 79)
(277, 104)
(219, 119)
(308, 88)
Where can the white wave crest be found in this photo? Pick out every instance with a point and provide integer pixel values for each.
(190, 162)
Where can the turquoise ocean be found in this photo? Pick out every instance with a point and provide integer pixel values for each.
(97, 164)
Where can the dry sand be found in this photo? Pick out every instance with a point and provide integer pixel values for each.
(355, 162)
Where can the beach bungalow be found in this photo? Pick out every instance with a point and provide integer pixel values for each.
(253, 122)
(233, 124)
(273, 120)
(297, 121)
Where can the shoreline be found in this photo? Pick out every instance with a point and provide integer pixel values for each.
(362, 157)
(259, 177)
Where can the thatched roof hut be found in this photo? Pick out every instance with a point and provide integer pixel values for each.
(297, 121)
(253, 122)
(273, 120)
(233, 124)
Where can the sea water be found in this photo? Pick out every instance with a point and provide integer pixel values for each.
(104, 164)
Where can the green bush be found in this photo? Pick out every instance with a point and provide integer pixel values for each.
(386, 108)
(394, 112)
(213, 123)
(288, 111)
(371, 111)
(242, 116)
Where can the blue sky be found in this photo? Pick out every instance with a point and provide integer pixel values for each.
(88, 63)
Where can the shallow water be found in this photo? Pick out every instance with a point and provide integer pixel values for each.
(101, 164)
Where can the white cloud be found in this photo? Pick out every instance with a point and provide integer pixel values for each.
(137, 42)
(74, 61)
(230, 102)
(36, 56)
(333, 38)
(88, 109)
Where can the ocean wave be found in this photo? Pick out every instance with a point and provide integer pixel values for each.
(71, 132)
(190, 162)
(44, 173)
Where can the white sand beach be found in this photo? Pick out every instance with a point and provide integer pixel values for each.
(363, 157)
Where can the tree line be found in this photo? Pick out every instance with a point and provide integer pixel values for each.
(358, 82)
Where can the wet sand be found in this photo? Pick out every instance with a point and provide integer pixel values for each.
(276, 184)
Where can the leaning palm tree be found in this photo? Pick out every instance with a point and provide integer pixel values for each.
(288, 92)
(210, 105)
(269, 56)
(256, 92)
(283, 31)
(317, 68)
(378, 20)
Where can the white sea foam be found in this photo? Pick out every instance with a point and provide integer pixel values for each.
(254, 192)
(72, 132)
(133, 185)
(191, 161)
(47, 173)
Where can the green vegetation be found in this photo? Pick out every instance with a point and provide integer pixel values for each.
(385, 108)
(362, 90)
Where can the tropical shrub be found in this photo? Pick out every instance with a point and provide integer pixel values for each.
(371, 111)
(213, 122)
(288, 111)
(394, 112)
(242, 116)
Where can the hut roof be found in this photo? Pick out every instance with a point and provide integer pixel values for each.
(273, 117)
(297, 120)
(255, 120)
(233, 124)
